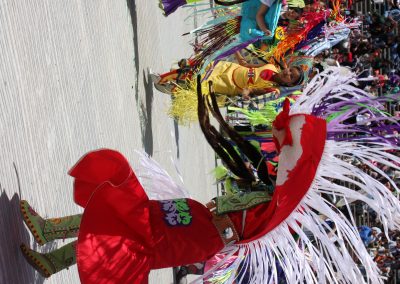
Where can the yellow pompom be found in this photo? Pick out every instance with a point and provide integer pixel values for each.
(184, 102)
(280, 33)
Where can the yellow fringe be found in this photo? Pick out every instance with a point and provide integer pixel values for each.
(184, 102)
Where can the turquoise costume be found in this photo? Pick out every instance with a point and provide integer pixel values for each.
(234, 31)
(248, 23)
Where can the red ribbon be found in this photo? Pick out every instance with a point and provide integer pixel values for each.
(282, 122)
(250, 76)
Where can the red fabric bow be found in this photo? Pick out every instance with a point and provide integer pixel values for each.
(250, 76)
(282, 122)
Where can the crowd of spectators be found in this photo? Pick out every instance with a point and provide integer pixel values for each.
(364, 51)
(373, 51)
(383, 248)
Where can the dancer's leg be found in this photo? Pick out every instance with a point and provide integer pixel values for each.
(49, 263)
(167, 83)
(168, 77)
(46, 230)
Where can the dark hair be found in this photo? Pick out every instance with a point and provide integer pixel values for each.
(301, 77)
(297, 10)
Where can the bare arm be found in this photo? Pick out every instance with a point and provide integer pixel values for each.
(257, 92)
(260, 19)
(249, 65)
(248, 93)
(244, 63)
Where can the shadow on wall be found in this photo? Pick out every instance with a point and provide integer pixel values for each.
(176, 132)
(145, 115)
(13, 266)
(144, 109)
(132, 10)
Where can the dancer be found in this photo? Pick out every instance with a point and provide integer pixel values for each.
(135, 234)
(231, 79)
(256, 23)
(123, 234)
(234, 29)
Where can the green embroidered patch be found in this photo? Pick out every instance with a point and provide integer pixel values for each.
(241, 201)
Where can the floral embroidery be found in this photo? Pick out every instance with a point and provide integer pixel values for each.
(55, 221)
(177, 212)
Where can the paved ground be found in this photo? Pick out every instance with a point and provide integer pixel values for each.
(73, 77)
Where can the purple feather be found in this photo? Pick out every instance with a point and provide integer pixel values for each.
(363, 119)
(170, 6)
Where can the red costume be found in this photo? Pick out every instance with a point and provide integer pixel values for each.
(123, 234)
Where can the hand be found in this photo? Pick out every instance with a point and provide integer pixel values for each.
(242, 61)
(246, 94)
(267, 32)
